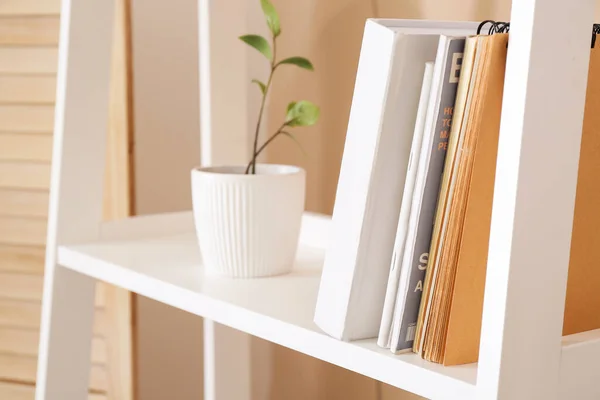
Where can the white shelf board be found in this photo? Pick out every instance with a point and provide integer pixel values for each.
(158, 257)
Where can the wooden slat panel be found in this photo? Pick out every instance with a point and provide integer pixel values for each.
(29, 30)
(99, 351)
(101, 323)
(120, 336)
(26, 341)
(20, 314)
(16, 391)
(25, 147)
(24, 259)
(26, 118)
(21, 90)
(100, 300)
(21, 287)
(28, 231)
(17, 368)
(29, 287)
(23, 175)
(99, 378)
(28, 60)
(29, 7)
(119, 198)
(27, 314)
(23, 203)
(27, 89)
(23, 369)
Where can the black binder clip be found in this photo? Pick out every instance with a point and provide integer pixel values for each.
(504, 27)
(495, 27)
(595, 31)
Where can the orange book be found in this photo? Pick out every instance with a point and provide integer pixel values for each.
(469, 251)
(458, 267)
(582, 308)
(470, 175)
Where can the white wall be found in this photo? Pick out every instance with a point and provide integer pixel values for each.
(166, 123)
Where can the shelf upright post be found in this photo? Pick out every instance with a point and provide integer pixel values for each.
(77, 178)
(229, 107)
(534, 197)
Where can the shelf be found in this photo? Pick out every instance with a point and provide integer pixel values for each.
(158, 257)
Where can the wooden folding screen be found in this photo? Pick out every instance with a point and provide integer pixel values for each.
(29, 31)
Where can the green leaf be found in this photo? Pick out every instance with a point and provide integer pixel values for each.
(262, 86)
(289, 107)
(271, 16)
(259, 43)
(297, 142)
(302, 113)
(299, 62)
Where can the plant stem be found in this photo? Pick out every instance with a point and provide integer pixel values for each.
(262, 108)
(265, 144)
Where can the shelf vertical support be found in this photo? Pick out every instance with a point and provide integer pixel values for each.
(229, 102)
(227, 363)
(75, 211)
(229, 106)
(534, 198)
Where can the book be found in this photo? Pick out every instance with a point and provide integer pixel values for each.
(582, 303)
(411, 174)
(430, 167)
(457, 271)
(468, 209)
(464, 97)
(373, 171)
(583, 283)
(476, 153)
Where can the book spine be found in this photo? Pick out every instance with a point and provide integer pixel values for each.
(414, 289)
(350, 214)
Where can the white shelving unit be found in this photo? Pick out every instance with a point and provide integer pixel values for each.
(522, 355)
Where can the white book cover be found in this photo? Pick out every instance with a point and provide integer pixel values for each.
(372, 176)
(401, 231)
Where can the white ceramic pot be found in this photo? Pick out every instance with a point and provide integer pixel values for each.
(248, 225)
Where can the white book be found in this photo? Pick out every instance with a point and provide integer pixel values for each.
(372, 176)
(396, 264)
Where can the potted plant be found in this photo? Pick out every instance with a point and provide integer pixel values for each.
(248, 217)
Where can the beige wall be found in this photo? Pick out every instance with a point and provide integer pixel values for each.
(167, 146)
(166, 114)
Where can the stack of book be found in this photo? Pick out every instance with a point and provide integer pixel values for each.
(407, 260)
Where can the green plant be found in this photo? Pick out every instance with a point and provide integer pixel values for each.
(299, 113)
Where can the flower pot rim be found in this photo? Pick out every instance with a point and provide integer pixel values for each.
(267, 170)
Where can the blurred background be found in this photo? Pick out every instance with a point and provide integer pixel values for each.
(141, 346)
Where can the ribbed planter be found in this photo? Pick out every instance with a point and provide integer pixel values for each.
(248, 225)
